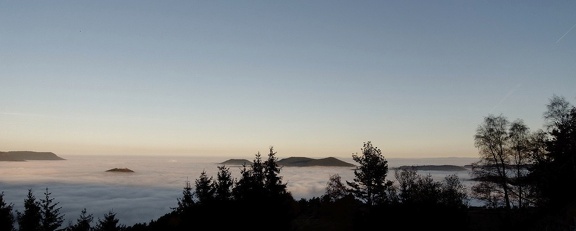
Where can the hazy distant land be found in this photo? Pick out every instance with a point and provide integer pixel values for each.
(305, 161)
(334, 162)
(297, 162)
(28, 155)
(290, 162)
(434, 167)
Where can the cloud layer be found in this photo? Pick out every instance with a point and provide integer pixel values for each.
(81, 182)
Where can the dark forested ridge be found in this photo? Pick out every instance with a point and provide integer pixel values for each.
(28, 155)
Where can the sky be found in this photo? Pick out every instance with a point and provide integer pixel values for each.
(309, 78)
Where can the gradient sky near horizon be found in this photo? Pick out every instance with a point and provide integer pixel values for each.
(310, 78)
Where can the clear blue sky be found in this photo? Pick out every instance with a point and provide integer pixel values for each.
(311, 78)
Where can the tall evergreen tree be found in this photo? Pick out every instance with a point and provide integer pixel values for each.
(83, 223)
(204, 188)
(257, 174)
(6, 216)
(51, 217)
(223, 184)
(187, 200)
(242, 186)
(109, 223)
(272, 179)
(250, 186)
(370, 184)
(31, 218)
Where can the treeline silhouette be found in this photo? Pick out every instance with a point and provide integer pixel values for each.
(526, 179)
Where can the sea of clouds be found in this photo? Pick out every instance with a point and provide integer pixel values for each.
(153, 189)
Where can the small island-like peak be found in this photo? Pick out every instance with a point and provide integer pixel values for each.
(120, 170)
(235, 162)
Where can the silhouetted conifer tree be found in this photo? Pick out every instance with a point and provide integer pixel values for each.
(6, 216)
(187, 200)
(250, 186)
(223, 184)
(257, 174)
(51, 217)
(272, 179)
(31, 218)
(204, 188)
(109, 223)
(243, 185)
(83, 223)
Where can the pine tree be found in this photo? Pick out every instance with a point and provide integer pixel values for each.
(242, 186)
(272, 180)
(83, 223)
(187, 200)
(51, 217)
(257, 189)
(109, 223)
(6, 216)
(257, 173)
(250, 186)
(204, 188)
(31, 219)
(223, 184)
(370, 184)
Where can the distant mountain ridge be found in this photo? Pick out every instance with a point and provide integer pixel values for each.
(297, 162)
(434, 167)
(28, 155)
(305, 161)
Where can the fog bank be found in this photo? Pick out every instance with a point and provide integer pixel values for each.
(152, 190)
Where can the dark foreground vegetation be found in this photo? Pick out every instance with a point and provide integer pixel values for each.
(527, 180)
